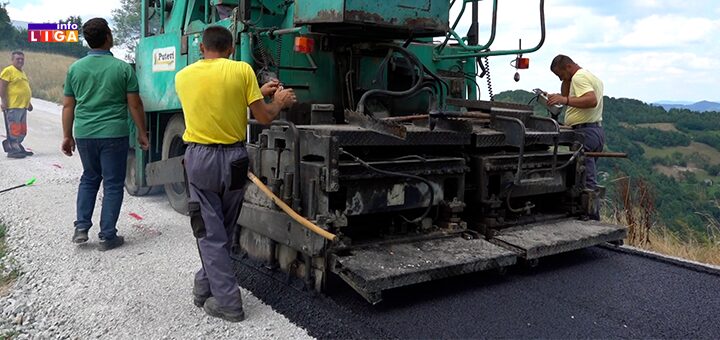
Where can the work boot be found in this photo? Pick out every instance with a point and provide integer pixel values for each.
(212, 308)
(199, 299)
(27, 153)
(16, 155)
(80, 236)
(111, 243)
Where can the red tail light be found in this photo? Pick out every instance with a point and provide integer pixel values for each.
(304, 45)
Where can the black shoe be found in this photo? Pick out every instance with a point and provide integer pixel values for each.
(17, 155)
(27, 153)
(111, 243)
(199, 299)
(212, 308)
(80, 236)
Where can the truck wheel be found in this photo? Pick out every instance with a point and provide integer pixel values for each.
(173, 146)
(130, 181)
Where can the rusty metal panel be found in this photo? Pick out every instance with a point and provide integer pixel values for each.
(403, 15)
(380, 267)
(550, 238)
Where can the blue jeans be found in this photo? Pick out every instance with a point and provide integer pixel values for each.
(104, 160)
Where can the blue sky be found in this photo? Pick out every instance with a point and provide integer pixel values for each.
(645, 49)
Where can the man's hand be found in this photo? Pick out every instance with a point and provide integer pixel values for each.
(286, 97)
(557, 98)
(143, 141)
(30, 107)
(269, 88)
(68, 146)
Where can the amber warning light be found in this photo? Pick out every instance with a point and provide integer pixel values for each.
(46, 33)
(304, 45)
(522, 63)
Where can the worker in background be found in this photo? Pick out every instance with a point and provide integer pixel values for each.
(582, 93)
(216, 161)
(15, 96)
(99, 89)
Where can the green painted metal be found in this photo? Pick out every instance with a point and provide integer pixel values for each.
(421, 15)
(461, 41)
(174, 34)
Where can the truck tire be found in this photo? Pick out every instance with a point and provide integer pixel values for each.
(130, 181)
(172, 146)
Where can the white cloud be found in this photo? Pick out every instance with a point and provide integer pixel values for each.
(669, 31)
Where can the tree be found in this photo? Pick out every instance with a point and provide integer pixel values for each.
(127, 26)
(7, 30)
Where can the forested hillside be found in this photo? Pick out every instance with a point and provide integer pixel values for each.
(676, 152)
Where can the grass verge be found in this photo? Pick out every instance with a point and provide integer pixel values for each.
(637, 212)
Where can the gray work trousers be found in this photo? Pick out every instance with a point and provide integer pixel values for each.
(209, 174)
(594, 142)
(16, 129)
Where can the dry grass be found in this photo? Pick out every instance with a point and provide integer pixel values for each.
(637, 211)
(46, 73)
(660, 126)
(701, 148)
(695, 248)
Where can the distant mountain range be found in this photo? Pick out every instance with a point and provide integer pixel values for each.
(701, 106)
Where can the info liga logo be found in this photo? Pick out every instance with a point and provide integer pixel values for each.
(61, 32)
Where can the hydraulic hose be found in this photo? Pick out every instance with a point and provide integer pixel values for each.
(294, 215)
(413, 59)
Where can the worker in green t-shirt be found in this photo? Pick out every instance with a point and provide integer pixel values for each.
(99, 89)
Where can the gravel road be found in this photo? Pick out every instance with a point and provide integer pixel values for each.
(139, 291)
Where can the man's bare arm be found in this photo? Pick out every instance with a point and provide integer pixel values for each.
(265, 113)
(586, 101)
(137, 111)
(565, 88)
(68, 116)
(3, 93)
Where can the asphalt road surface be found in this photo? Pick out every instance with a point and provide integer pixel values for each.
(591, 293)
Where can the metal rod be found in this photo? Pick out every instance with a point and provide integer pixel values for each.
(606, 154)
(499, 52)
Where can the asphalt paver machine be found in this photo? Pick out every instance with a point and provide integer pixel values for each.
(391, 170)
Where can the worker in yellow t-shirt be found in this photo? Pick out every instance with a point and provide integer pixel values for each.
(15, 102)
(216, 161)
(582, 93)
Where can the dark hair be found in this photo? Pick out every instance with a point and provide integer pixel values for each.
(217, 39)
(95, 32)
(561, 61)
(14, 53)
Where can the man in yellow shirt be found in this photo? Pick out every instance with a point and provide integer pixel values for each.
(582, 93)
(15, 97)
(216, 161)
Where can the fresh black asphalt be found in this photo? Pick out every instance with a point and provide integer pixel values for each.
(591, 293)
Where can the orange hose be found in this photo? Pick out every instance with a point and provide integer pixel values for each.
(294, 215)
